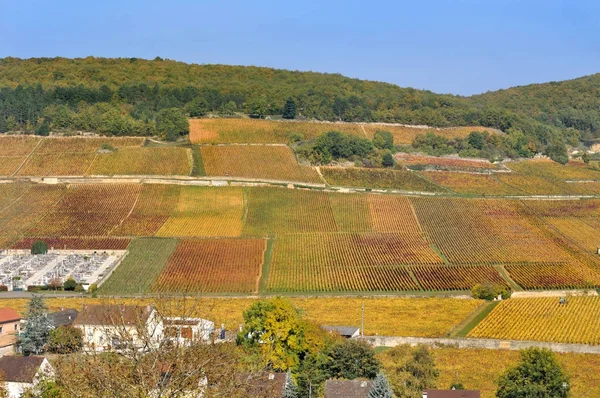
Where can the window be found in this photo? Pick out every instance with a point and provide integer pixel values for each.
(17, 327)
(0, 329)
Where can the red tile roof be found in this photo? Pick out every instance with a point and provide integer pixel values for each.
(8, 315)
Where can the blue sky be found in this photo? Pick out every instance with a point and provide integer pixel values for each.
(460, 46)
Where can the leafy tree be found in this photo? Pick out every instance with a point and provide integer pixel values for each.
(339, 145)
(585, 157)
(351, 359)
(37, 327)
(383, 140)
(381, 387)
(558, 152)
(43, 129)
(537, 374)
(275, 328)
(65, 340)
(489, 291)
(476, 140)
(387, 160)
(289, 109)
(39, 247)
(198, 107)
(70, 284)
(410, 370)
(257, 107)
(171, 123)
(290, 390)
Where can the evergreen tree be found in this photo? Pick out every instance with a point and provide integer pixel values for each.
(37, 327)
(39, 247)
(387, 160)
(290, 390)
(289, 110)
(43, 129)
(381, 387)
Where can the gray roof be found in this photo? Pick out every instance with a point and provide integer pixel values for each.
(20, 369)
(347, 388)
(342, 330)
(64, 317)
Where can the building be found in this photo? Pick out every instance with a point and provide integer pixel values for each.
(347, 388)
(451, 394)
(24, 373)
(119, 327)
(348, 332)
(10, 327)
(187, 330)
(63, 317)
(268, 385)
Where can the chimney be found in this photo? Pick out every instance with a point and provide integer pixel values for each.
(424, 394)
(363, 384)
(271, 376)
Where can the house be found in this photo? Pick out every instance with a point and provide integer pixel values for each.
(24, 373)
(187, 330)
(268, 385)
(119, 327)
(63, 317)
(10, 327)
(451, 394)
(347, 388)
(348, 332)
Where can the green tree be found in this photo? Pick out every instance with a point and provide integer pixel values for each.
(410, 370)
(383, 140)
(387, 160)
(171, 123)
(585, 157)
(37, 327)
(39, 247)
(70, 284)
(43, 129)
(275, 328)
(476, 140)
(351, 359)
(290, 390)
(197, 107)
(289, 109)
(558, 152)
(538, 374)
(257, 107)
(65, 340)
(381, 387)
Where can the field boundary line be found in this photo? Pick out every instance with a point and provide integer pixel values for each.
(85, 173)
(265, 266)
(27, 158)
(137, 198)
(362, 127)
(506, 276)
(473, 319)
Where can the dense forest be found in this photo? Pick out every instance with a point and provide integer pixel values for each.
(129, 96)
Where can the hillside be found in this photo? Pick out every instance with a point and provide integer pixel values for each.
(125, 97)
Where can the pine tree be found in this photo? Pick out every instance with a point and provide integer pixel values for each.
(381, 388)
(290, 390)
(37, 327)
(289, 110)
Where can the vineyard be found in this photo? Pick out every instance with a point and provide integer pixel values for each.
(543, 319)
(470, 184)
(378, 178)
(405, 135)
(255, 131)
(75, 243)
(550, 169)
(459, 277)
(418, 162)
(534, 185)
(261, 162)
(143, 161)
(213, 266)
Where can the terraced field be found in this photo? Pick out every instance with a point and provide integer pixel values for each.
(405, 135)
(261, 162)
(378, 178)
(471, 184)
(143, 161)
(550, 169)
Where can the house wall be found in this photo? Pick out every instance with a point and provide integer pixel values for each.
(9, 327)
(15, 390)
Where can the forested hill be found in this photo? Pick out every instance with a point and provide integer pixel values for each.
(126, 97)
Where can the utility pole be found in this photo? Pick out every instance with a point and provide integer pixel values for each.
(362, 323)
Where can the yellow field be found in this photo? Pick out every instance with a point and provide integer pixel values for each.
(548, 168)
(534, 185)
(11, 145)
(543, 319)
(262, 162)
(421, 317)
(85, 144)
(143, 161)
(479, 369)
(406, 134)
(206, 212)
(57, 164)
(10, 164)
(214, 131)
(470, 184)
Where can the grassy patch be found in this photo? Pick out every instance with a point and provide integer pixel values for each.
(477, 316)
(198, 169)
(266, 267)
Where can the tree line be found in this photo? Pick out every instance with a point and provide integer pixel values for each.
(126, 96)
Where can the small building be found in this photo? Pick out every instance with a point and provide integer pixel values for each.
(347, 388)
(268, 385)
(187, 330)
(118, 327)
(24, 373)
(63, 317)
(451, 394)
(348, 332)
(10, 327)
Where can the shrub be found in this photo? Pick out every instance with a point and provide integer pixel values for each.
(383, 140)
(65, 340)
(387, 160)
(489, 291)
(39, 247)
(93, 287)
(3, 288)
(70, 284)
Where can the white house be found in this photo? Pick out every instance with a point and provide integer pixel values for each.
(120, 327)
(24, 373)
(186, 330)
